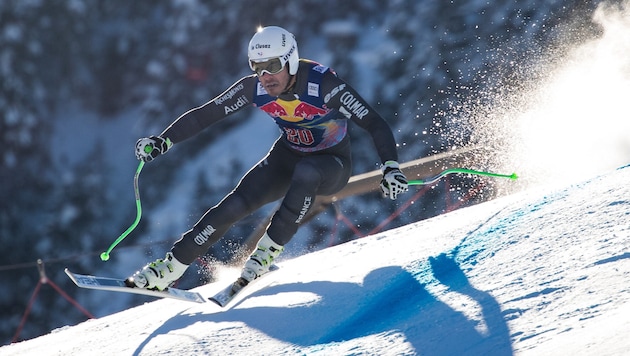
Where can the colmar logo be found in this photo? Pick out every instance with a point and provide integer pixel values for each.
(204, 235)
(353, 105)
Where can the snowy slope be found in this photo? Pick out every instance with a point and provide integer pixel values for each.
(536, 273)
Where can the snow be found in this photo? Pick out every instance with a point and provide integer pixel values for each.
(541, 272)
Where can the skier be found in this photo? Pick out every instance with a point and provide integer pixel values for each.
(312, 107)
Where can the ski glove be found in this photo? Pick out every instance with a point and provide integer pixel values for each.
(394, 181)
(150, 147)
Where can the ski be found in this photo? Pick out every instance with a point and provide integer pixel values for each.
(226, 295)
(118, 285)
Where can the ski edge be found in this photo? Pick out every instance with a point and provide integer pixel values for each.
(118, 285)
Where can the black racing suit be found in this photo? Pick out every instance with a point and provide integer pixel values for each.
(311, 157)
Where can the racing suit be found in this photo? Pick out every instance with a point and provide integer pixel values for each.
(311, 157)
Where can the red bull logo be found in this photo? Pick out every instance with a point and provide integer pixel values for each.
(274, 109)
(292, 111)
(308, 111)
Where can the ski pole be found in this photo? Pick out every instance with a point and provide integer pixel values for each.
(105, 255)
(512, 176)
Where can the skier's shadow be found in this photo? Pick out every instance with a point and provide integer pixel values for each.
(381, 304)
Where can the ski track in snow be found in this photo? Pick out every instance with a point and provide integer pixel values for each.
(539, 272)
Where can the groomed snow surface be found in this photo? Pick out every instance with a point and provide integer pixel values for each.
(542, 272)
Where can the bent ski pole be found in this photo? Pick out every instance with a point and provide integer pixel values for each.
(512, 176)
(105, 255)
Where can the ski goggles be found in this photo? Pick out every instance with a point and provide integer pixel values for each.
(271, 66)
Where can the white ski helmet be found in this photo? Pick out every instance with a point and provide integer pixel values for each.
(274, 42)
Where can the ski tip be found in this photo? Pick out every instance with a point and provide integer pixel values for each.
(216, 302)
(71, 276)
(228, 295)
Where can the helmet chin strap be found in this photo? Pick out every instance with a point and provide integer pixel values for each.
(290, 83)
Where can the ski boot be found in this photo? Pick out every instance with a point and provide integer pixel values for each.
(259, 262)
(158, 275)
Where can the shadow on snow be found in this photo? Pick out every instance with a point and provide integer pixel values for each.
(390, 300)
